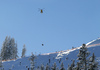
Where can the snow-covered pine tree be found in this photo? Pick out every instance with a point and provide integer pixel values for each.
(12, 49)
(69, 68)
(42, 67)
(15, 51)
(31, 58)
(77, 68)
(57, 68)
(4, 49)
(72, 66)
(49, 60)
(9, 49)
(54, 67)
(32, 65)
(62, 66)
(23, 51)
(93, 65)
(1, 65)
(38, 68)
(82, 57)
(47, 67)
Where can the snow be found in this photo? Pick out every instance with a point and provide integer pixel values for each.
(24, 63)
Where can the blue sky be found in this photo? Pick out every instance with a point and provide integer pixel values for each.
(63, 23)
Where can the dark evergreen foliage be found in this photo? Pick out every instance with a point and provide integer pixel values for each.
(32, 57)
(72, 65)
(84, 63)
(23, 51)
(82, 57)
(47, 67)
(54, 67)
(62, 66)
(93, 65)
(42, 67)
(9, 49)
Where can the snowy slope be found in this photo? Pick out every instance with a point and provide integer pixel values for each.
(93, 46)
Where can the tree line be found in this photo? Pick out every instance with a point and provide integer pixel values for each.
(84, 62)
(9, 51)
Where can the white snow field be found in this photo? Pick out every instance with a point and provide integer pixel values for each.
(65, 56)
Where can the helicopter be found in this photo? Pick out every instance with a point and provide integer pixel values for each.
(41, 10)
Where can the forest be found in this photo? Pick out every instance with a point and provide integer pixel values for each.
(9, 51)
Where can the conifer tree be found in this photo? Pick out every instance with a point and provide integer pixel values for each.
(84, 63)
(62, 66)
(9, 49)
(4, 49)
(93, 65)
(13, 49)
(54, 66)
(23, 51)
(47, 67)
(42, 67)
(1, 64)
(77, 68)
(57, 68)
(72, 66)
(82, 57)
(31, 58)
